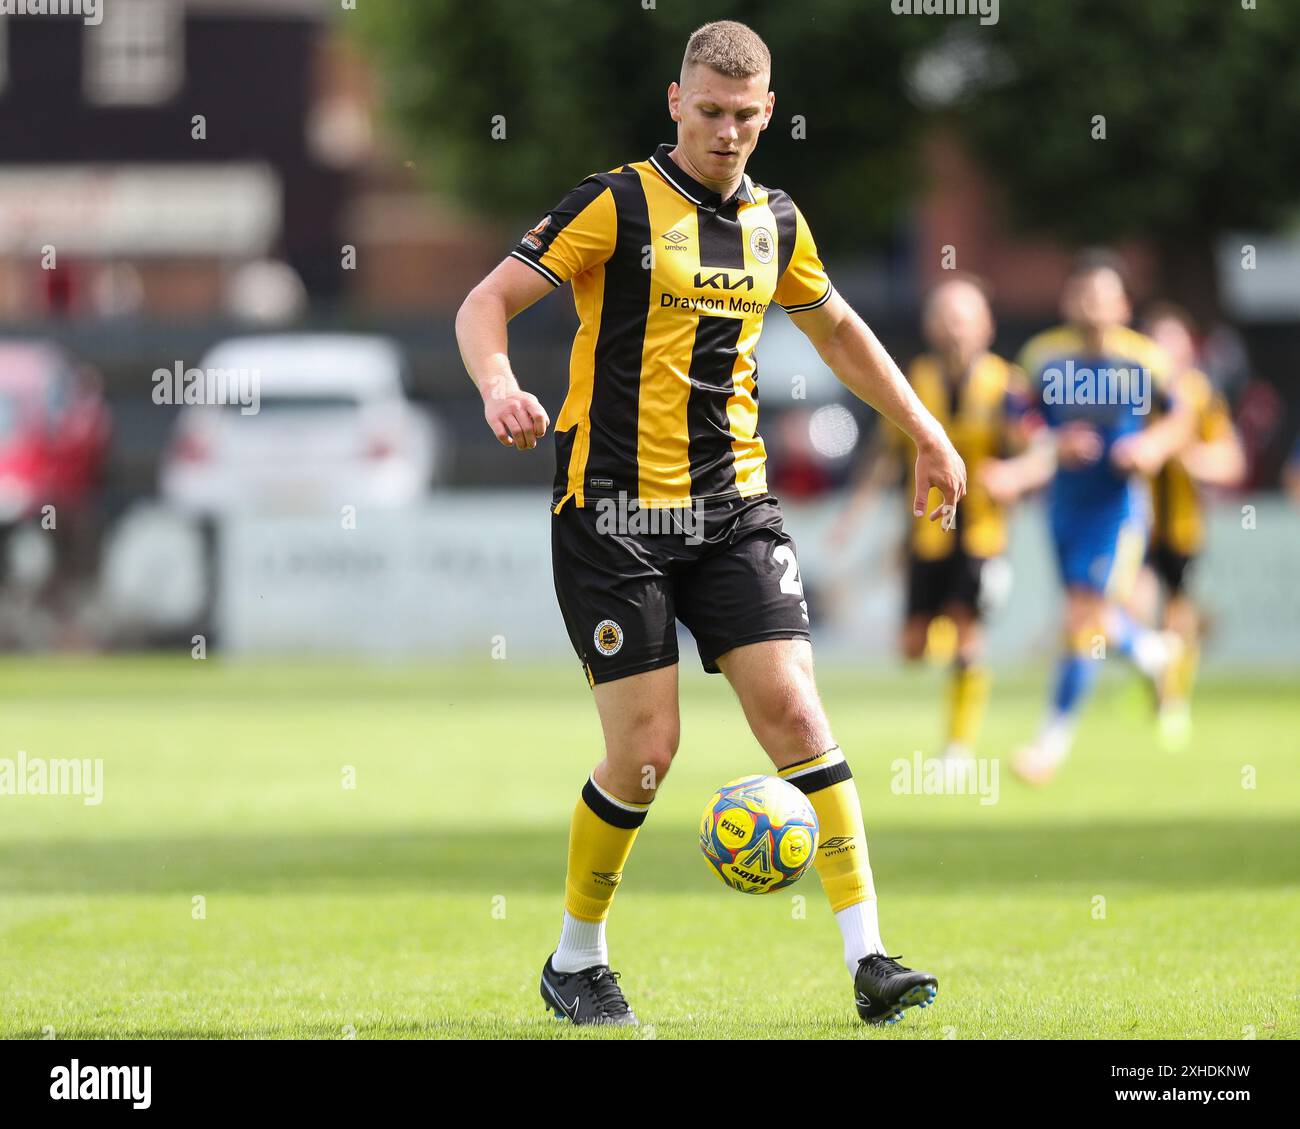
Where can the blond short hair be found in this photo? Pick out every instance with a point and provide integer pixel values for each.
(728, 47)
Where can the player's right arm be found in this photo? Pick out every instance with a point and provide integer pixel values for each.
(516, 417)
(1146, 451)
(577, 235)
(1216, 456)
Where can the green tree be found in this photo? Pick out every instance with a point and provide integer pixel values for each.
(1201, 101)
(581, 86)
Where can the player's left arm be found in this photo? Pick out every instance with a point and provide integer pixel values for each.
(1216, 457)
(1008, 480)
(863, 365)
(1146, 451)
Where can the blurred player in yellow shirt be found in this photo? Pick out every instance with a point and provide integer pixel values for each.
(1214, 457)
(981, 400)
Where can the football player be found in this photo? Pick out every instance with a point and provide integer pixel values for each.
(1109, 419)
(674, 260)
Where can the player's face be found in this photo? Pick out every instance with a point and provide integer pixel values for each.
(958, 320)
(1096, 300)
(1172, 336)
(719, 120)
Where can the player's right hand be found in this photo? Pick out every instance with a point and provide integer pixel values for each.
(1135, 454)
(516, 418)
(1078, 445)
(999, 479)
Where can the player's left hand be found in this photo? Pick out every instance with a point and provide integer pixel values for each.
(939, 466)
(1134, 454)
(999, 478)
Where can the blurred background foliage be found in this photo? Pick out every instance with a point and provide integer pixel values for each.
(583, 87)
(1200, 98)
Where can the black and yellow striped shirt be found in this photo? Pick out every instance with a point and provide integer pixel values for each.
(671, 284)
(1177, 510)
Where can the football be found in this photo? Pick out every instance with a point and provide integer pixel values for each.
(759, 834)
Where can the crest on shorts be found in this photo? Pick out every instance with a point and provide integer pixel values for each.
(760, 244)
(608, 637)
(532, 238)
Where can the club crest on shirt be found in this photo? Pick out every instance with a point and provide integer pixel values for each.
(608, 637)
(531, 238)
(760, 244)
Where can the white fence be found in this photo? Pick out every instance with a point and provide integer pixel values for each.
(470, 572)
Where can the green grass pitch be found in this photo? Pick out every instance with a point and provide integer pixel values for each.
(423, 901)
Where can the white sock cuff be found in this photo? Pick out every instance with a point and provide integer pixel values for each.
(626, 805)
(829, 758)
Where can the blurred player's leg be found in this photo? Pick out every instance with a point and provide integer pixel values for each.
(1152, 651)
(1181, 618)
(1181, 621)
(968, 690)
(1074, 678)
(968, 695)
(1099, 560)
(951, 586)
(1143, 604)
(912, 638)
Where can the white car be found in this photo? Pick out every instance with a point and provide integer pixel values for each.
(296, 423)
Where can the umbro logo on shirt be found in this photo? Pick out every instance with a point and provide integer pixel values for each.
(676, 240)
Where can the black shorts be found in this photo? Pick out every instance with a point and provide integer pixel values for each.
(1169, 566)
(933, 586)
(624, 576)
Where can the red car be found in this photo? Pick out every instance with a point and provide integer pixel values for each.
(54, 430)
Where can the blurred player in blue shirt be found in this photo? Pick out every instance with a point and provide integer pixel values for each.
(1103, 419)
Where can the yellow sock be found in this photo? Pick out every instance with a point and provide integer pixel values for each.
(600, 839)
(968, 693)
(841, 861)
(1182, 673)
